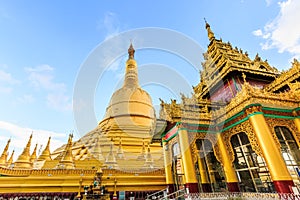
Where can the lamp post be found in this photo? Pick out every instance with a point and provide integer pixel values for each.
(115, 189)
(79, 190)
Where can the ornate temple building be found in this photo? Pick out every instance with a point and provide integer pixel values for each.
(238, 132)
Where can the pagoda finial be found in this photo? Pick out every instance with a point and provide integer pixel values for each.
(3, 157)
(211, 35)
(46, 153)
(131, 51)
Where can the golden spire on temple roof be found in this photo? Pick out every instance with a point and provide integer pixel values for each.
(46, 153)
(33, 155)
(3, 157)
(24, 159)
(67, 160)
(211, 35)
(10, 160)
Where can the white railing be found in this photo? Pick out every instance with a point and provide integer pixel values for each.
(242, 196)
(157, 195)
(179, 194)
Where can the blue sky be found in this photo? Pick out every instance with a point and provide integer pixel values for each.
(44, 43)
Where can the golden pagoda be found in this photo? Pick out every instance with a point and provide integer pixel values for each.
(121, 147)
(240, 129)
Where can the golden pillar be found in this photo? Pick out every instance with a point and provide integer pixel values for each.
(188, 165)
(230, 174)
(272, 155)
(205, 183)
(296, 114)
(168, 167)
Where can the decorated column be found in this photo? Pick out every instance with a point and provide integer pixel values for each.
(296, 114)
(230, 174)
(168, 167)
(280, 175)
(188, 165)
(203, 174)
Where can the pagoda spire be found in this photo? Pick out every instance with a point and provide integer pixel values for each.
(111, 159)
(211, 35)
(10, 160)
(66, 161)
(142, 156)
(23, 160)
(33, 155)
(4, 155)
(97, 153)
(131, 72)
(120, 153)
(149, 159)
(46, 153)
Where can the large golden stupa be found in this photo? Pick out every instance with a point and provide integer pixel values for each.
(119, 153)
(129, 122)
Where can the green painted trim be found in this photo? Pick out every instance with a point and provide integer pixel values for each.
(255, 113)
(277, 109)
(251, 105)
(297, 109)
(201, 131)
(185, 129)
(202, 125)
(234, 124)
(279, 116)
(238, 122)
(234, 116)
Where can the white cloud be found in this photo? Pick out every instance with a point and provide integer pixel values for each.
(111, 24)
(20, 135)
(257, 32)
(283, 33)
(59, 102)
(6, 82)
(5, 89)
(41, 77)
(26, 98)
(40, 68)
(7, 78)
(269, 2)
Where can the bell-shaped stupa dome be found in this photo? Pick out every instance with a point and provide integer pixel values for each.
(130, 106)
